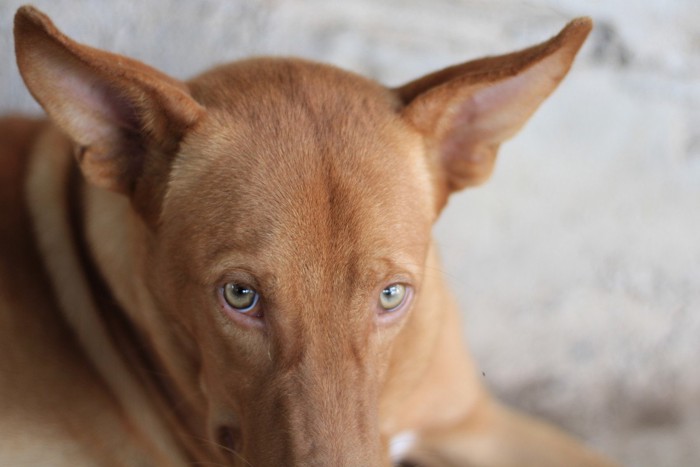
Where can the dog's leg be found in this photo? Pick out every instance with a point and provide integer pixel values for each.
(495, 436)
(460, 424)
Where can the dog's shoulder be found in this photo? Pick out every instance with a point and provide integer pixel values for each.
(49, 394)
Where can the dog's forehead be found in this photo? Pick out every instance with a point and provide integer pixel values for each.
(295, 155)
(274, 81)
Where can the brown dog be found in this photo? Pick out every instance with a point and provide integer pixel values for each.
(245, 274)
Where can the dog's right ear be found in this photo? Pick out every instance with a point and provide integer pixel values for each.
(115, 109)
(466, 111)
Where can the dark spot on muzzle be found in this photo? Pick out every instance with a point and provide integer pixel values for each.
(229, 440)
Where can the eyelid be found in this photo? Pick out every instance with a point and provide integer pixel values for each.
(240, 276)
(403, 277)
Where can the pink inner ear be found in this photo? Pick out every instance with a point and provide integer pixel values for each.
(495, 112)
(486, 115)
(95, 113)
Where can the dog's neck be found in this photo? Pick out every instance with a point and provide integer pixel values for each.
(95, 273)
(154, 346)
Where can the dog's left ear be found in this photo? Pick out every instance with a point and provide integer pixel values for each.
(125, 117)
(466, 111)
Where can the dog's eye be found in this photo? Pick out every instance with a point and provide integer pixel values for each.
(240, 297)
(392, 296)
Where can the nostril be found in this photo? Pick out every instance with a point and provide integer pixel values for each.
(229, 439)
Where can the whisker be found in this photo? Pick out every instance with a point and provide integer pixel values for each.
(223, 447)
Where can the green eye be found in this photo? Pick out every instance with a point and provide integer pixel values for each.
(392, 296)
(240, 297)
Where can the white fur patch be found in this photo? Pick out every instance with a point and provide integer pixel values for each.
(400, 444)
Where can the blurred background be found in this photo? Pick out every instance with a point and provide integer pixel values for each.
(578, 265)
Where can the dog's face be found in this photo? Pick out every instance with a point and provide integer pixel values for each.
(286, 208)
(305, 249)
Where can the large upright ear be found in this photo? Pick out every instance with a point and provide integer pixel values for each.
(125, 117)
(466, 111)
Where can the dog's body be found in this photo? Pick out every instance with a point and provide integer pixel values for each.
(312, 186)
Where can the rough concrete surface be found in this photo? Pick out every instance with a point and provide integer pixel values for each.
(578, 264)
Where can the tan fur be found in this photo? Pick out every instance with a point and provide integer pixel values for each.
(314, 186)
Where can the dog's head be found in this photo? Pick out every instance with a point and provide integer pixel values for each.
(286, 208)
